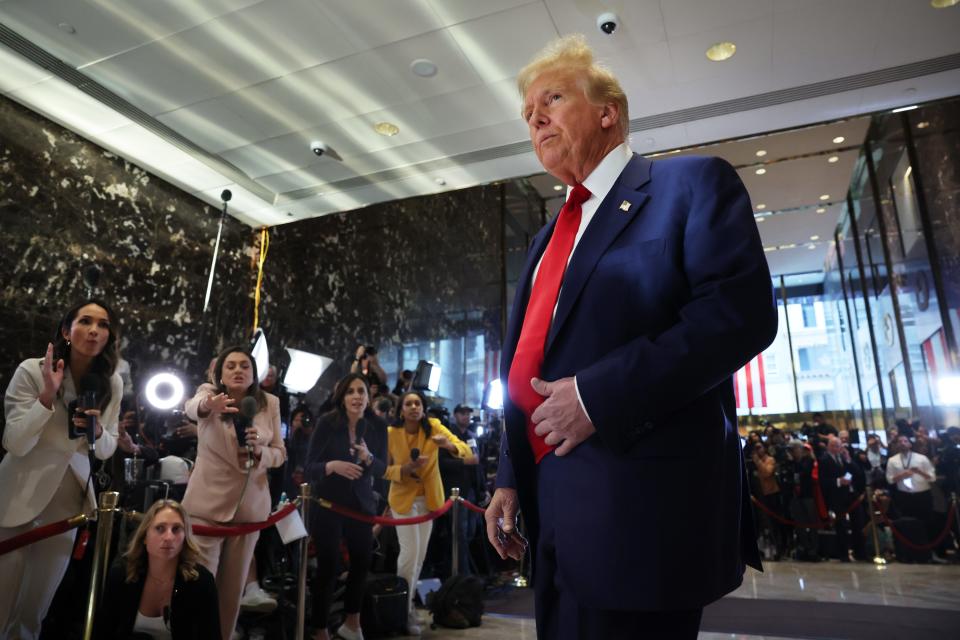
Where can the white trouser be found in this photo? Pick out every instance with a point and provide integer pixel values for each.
(29, 576)
(414, 539)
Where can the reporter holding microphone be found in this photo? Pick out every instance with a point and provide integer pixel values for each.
(229, 480)
(44, 476)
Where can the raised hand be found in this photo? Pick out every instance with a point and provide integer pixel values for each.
(52, 373)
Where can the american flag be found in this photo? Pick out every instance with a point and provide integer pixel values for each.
(750, 385)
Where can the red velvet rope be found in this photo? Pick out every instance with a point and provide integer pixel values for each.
(245, 528)
(393, 522)
(922, 547)
(40, 533)
(472, 507)
(804, 525)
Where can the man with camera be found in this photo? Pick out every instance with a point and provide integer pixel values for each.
(366, 362)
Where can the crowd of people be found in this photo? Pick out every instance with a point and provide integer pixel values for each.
(231, 455)
(809, 489)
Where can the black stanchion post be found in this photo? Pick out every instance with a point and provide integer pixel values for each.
(878, 559)
(302, 578)
(98, 573)
(455, 531)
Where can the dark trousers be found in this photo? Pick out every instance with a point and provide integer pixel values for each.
(327, 529)
(920, 506)
(560, 616)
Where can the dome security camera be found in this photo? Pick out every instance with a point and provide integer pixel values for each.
(608, 23)
(321, 148)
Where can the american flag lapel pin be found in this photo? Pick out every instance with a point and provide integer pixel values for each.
(625, 205)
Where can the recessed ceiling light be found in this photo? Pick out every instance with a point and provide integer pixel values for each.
(761, 206)
(833, 159)
(66, 27)
(424, 68)
(787, 246)
(821, 210)
(760, 171)
(761, 153)
(943, 4)
(923, 125)
(825, 196)
(811, 246)
(838, 139)
(721, 51)
(558, 187)
(901, 109)
(814, 237)
(386, 129)
(769, 249)
(759, 218)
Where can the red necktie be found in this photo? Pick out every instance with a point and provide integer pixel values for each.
(539, 314)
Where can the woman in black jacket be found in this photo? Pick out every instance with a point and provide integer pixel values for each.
(345, 455)
(161, 590)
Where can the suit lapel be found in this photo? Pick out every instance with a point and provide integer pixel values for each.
(522, 295)
(616, 211)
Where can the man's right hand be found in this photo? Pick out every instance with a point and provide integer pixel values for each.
(502, 511)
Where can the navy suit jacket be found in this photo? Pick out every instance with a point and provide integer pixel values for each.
(667, 294)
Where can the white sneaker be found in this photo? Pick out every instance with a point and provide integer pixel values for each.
(257, 600)
(237, 633)
(347, 633)
(413, 624)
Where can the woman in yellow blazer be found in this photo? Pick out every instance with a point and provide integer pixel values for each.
(415, 485)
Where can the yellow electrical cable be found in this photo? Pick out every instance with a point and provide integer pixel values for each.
(264, 245)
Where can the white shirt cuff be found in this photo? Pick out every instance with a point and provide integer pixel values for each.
(580, 399)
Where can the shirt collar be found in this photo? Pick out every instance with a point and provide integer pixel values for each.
(601, 179)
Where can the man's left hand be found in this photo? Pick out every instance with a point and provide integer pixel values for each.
(560, 418)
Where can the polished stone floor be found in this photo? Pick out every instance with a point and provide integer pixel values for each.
(856, 584)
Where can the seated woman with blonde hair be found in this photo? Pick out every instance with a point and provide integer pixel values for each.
(160, 590)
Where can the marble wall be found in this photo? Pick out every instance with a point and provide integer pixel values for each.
(397, 272)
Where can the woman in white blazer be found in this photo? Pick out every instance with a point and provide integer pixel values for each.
(45, 475)
(229, 480)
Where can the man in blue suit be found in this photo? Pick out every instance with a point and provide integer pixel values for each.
(635, 307)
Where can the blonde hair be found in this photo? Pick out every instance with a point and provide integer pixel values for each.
(572, 54)
(136, 551)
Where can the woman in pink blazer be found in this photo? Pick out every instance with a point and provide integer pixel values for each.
(229, 481)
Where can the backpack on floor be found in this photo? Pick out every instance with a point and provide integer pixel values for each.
(384, 609)
(458, 604)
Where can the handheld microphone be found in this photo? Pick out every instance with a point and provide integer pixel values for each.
(87, 399)
(414, 454)
(242, 420)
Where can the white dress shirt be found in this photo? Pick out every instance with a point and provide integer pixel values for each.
(913, 460)
(598, 183)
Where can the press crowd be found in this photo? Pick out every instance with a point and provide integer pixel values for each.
(233, 453)
(809, 484)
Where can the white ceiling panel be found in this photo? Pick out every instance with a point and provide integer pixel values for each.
(688, 17)
(453, 12)
(107, 27)
(799, 259)
(213, 125)
(519, 33)
(19, 72)
(752, 61)
(70, 107)
(372, 23)
(912, 31)
(641, 22)
(454, 70)
(815, 41)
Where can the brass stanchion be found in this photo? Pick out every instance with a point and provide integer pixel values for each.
(877, 558)
(455, 531)
(302, 578)
(101, 553)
